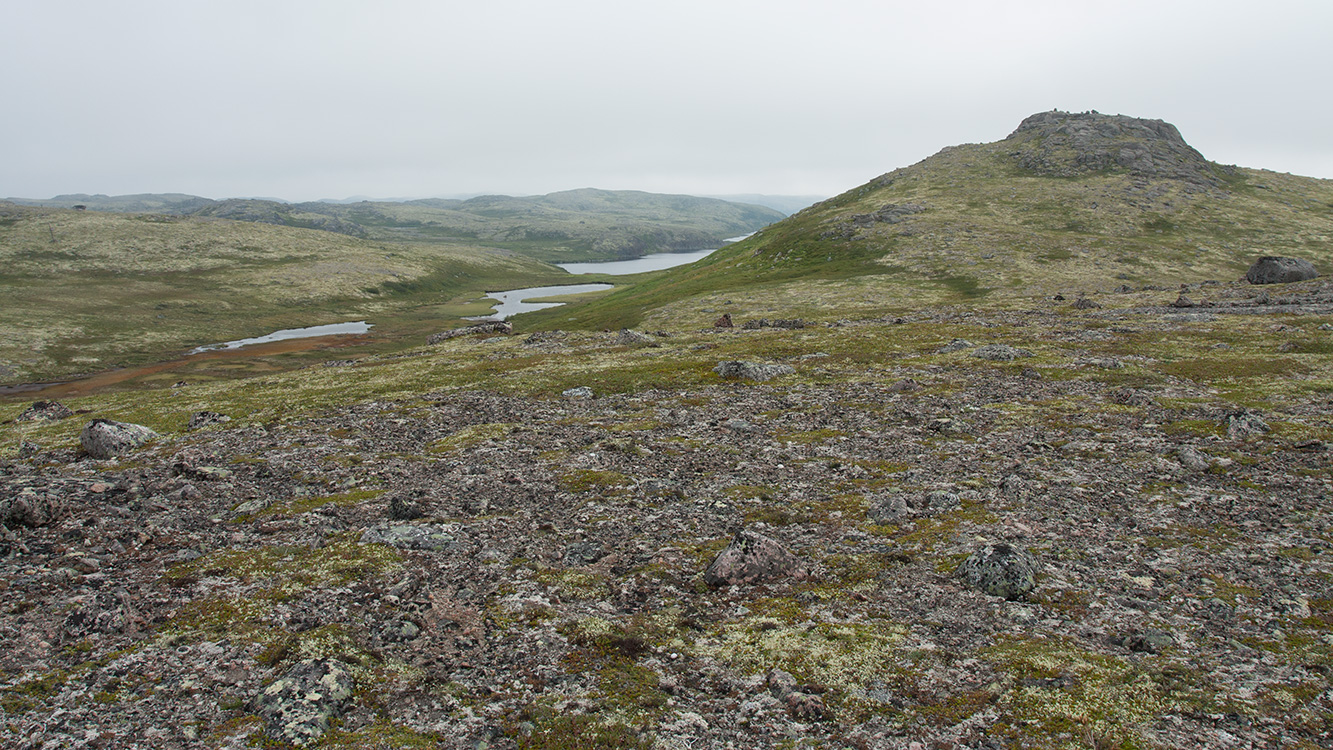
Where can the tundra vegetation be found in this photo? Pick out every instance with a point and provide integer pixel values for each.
(477, 554)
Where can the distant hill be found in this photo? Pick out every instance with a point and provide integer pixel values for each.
(574, 225)
(1066, 203)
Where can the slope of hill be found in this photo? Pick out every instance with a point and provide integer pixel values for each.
(1067, 203)
(85, 291)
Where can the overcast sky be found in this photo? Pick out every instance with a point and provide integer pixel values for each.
(308, 99)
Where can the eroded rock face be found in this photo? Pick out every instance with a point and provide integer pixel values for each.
(1001, 570)
(105, 438)
(298, 706)
(1066, 144)
(752, 558)
(751, 370)
(1274, 270)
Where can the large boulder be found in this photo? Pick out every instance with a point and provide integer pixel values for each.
(105, 438)
(752, 558)
(1001, 570)
(1271, 269)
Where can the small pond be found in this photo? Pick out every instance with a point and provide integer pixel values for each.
(333, 329)
(515, 301)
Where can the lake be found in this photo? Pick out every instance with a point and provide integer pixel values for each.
(334, 329)
(515, 301)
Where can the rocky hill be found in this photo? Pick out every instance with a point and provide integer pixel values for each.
(1067, 203)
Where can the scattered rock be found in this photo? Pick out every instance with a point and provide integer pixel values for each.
(751, 370)
(723, 322)
(1244, 424)
(1191, 458)
(30, 508)
(579, 392)
(752, 558)
(201, 419)
(1274, 270)
(42, 411)
(957, 345)
(906, 385)
(1182, 301)
(1150, 641)
(583, 553)
(440, 537)
(403, 508)
(1000, 353)
(626, 337)
(298, 706)
(889, 510)
(754, 325)
(104, 438)
(485, 326)
(1083, 303)
(1001, 570)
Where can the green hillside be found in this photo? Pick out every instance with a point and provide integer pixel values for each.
(87, 291)
(1068, 203)
(574, 225)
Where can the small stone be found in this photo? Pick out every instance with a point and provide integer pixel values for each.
(626, 337)
(1243, 424)
(1150, 641)
(1001, 570)
(583, 553)
(1191, 458)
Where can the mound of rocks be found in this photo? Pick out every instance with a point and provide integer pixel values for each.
(45, 411)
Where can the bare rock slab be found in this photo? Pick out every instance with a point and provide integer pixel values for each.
(105, 438)
(1001, 570)
(752, 558)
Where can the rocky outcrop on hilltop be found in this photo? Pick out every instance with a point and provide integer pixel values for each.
(1067, 144)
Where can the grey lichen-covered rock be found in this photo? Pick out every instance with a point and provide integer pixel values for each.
(429, 536)
(1001, 353)
(627, 337)
(298, 706)
(1271, 269)
(1243, 424)
(44, 411)
(201, 419)
(104, 438)
(1001, 570)
(751, 370)
(579, 392)
(30, 508)
(752, 558)
(583, 553)
(1192, 458)
(483, 327)
(957, 345)
(889, 510)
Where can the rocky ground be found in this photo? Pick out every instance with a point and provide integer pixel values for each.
(471, 568)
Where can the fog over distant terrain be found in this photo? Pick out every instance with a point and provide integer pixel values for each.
(304, 100)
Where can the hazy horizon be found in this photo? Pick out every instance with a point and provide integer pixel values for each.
(306, 100)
